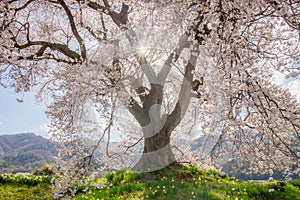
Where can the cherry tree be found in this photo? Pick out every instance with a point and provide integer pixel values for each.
(143, 68)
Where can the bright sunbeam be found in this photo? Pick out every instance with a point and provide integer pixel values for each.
(142, 49)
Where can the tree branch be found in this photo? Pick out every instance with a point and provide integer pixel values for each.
(62, 48)
(137, 111)
(173, 57)
(134, 144)
(181, 106)
(74, 29)
(95, 6)
(121, 18)
(24, 6)
(147, 69)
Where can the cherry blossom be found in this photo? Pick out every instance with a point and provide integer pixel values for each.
(158, 74)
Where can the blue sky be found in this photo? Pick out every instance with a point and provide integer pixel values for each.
(22, 117)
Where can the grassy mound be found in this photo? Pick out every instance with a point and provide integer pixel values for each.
(188, 182)
(174, 182)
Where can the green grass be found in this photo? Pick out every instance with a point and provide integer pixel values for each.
(175, 182)
(25, 192)
(23, 187)
(180, 182)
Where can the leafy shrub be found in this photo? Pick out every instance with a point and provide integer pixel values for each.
(193, 169)
(295, 182)
(120, 177)
(45, 170)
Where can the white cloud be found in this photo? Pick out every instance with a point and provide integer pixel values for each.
(278, 78)
(294, 87)
(44, 130)
(293, 84)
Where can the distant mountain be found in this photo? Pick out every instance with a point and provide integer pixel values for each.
(230, 164)
(24, 152)
(27, 152)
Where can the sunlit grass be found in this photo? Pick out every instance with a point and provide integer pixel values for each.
(176, 182)
(188, 183)
(28, 179)
(23, 192)
(22, 187)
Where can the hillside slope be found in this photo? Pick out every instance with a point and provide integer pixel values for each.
(24, 152)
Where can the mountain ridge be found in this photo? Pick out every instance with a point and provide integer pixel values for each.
(24, 152)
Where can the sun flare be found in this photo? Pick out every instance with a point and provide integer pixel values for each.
(142, 49)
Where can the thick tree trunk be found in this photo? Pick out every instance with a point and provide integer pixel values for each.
(157, 126)
(157, 153)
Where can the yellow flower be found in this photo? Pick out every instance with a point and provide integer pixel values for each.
(98, 181)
